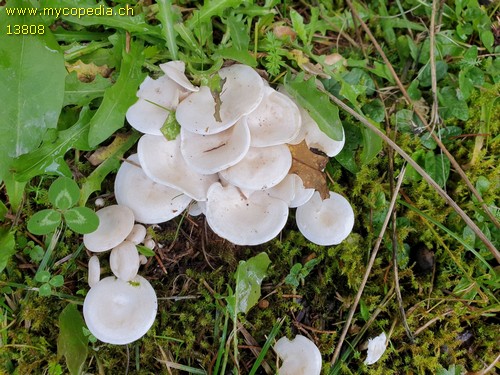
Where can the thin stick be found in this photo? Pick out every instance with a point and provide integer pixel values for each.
(432, 38)
(368, 268)
(421, 171)
(491, 366)
(456, 166)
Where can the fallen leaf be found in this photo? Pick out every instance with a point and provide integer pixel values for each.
(87, 72)
(309, 167)
(103, 153)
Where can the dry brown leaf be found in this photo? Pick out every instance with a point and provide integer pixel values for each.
(309, 167)
(103, 153)
(87, 72)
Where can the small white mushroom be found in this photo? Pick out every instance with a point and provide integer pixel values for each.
(115, 224)
(197, 208)
(376, 348)
(315, 138)
(208, 154)
(302, 194)
(150, 243)
(244, 220)
(162, 161)
(99, 202)
(124, 261)
(152, 203)
(261, 168)
(325, 222)
(120, 312)
(241, 93)
(137, 235)
(94, 271)
(300, 356)
(142, 259)
(275, 121)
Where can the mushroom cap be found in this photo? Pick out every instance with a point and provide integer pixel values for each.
(212, 153)
(315, 138)
(94, 271)
(261, 168)
(124, 261)
(163, 92)
(137, 235)
(326, 222)
(115, 224)
(175, 71)
(241, 220)
(300, 356)
(147, 117)
(376, 348)
(275, 121)
(120, 312)
(162, 162)
(151, 202)
(241, 94)
(302, 194)
(285, 190)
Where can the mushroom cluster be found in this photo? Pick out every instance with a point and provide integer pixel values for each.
(119, 309)
(230, 161)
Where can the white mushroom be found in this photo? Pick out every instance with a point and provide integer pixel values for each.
(156, 99)
(325, 222)
(120, 312)
(302, 194)
(94, 271)
(285, 190)
(241, 93)
(124, 261)
(175, 71)
(162, 162)
(197, 208)
(151, 202)
(275, 121)
(137, 235)
(241, 220)
(300, 356)
(261, 168)
(115, 224)
(376, 348)
(208, 154)
(315, 138)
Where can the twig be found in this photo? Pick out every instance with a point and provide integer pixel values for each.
(421, 171)
(433, 320)
(491, 366)
(432, 38)
(368, 269)
(456, 166)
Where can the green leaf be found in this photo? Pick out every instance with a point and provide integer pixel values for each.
(364, 311)
(298, 25)
(424, 75)
(232, 53)
(64, 193)
(209, 9)
(81, 220)
(238, 32)
(45, 290)
(249, 276)
(111, 114)
(146, 251)
(42, 276)
(488, 39)
(452, 370)
(72, 343)
(451, 106)
(3, 211)
(317, 104)
(7, 247)
(171, 128)
(372, 145)
(93, 182)
(81, 93)
(31, 86)
(438, 167)
(411, 173)
(57, 281)
(49, 157)
(44, 221)
(168, 20)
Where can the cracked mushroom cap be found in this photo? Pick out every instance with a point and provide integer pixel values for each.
(151, 202)
(300, 356)
(208, 154)
(244, 220)
(261, 168)
(115, 224)
(162, 161)
(325, 222)
(241, 93)
(275, 121)
(175, 71)
(119, 312)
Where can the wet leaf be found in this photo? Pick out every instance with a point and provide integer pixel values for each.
(72, 343)
(249, 276)
(309, 167)
(7, 247)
